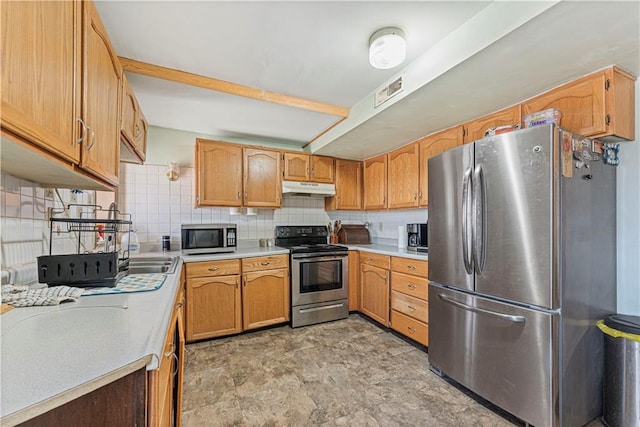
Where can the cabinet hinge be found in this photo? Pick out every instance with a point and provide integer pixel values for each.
(607, 84)
(607, 119)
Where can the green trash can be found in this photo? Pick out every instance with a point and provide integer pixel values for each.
(622, 370)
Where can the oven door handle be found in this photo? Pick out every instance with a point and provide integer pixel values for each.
(324, 307)
(317, 257)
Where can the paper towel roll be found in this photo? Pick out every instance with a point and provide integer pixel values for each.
(402, 236)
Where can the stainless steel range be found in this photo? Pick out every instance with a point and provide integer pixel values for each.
(319, 275)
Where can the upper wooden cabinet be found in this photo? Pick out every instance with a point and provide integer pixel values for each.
(403, 166)
(348, 187)
(230, 175)
(261, 178)
(41, 74)
(218, 173)
(598, 105)
(430, 146)
(375, 183)
(101, 100)
(306, 167)
(475, 129)
(133, 126)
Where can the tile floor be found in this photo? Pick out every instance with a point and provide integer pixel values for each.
(344, 373)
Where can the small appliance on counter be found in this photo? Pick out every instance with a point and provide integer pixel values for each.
(208, 238)
(417, 237)
(354, 234)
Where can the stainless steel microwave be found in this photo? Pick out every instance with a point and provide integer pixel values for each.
(208, 238)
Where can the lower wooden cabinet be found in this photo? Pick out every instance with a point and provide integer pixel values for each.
(265, 298)
(374, 286)
(229, 296)
(409, 298)
(164, 388)
(354, 280)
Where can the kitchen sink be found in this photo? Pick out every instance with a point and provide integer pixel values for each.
(144, 265)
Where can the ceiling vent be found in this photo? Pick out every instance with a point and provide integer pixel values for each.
(387, 92)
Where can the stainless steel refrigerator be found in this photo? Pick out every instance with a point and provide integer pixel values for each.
(521, 266)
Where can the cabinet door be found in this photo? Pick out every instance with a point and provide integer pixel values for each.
(218, 174)
(101, 100)
(375, 183)
(213, 307)
(262, 183)
(431, 146)
(475, 129)
(374, 293)
(348, 186)
(354, 280)
(403, 177)
(297, 166)
(41, 66)
(141, 131)
(322, 169)
(129, 114)
(265, 298)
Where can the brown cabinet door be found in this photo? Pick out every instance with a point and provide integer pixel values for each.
(262, 183)
(265, 298)
(431, 146)
(218, 174)
(297, 166)
(348, 186)
(475, 129)
(41, 66)
(213, 307)
(322, 169)
(403, 177)
(101, 100)
(375, 183)
(374, 293)
(141, 131)
(354, 280)
(129, 115)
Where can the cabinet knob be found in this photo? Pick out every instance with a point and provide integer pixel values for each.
(411, 286)
(412, 308)
(213, 269)
(411, 267)
(411, 329)
(92, 135)
(265, 263)
(83, 134)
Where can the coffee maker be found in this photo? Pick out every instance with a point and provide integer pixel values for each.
(417, 237)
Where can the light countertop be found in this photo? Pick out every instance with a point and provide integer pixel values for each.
(51, 355)
(390, 250)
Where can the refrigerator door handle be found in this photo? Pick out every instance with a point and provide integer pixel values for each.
(479, 220)
(509, 317)
(466, 185)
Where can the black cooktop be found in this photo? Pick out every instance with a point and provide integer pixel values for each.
(305, 239)
(316, 248)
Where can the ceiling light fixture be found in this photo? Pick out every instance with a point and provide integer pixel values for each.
(387, 48)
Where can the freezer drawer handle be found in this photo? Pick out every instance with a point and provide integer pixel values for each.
(324, 307)
(514, 319)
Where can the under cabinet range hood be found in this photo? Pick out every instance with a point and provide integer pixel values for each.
(308, 188)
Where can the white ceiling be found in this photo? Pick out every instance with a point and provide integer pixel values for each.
(465, 59)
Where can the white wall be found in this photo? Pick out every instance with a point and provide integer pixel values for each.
(628, 221)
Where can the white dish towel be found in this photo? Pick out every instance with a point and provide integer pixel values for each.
(24, 296)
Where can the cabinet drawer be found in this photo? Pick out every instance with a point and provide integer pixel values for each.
(411, 285)
(410, 306)
(225, 267)
(376, 260)
(410, 266)
(409, 327)
(265, 263)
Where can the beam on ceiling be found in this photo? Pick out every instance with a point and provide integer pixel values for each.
(178, 76)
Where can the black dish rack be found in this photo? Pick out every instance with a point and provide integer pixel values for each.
(101, 268)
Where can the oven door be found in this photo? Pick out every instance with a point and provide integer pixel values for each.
(318, 278)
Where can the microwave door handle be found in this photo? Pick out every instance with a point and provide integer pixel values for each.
(466, 184)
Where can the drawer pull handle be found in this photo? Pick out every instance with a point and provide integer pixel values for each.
(411, 286)
(411, 267)
(412, 308)
(411, 329)
(171, 351)
(213, 269)
(265, 263)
